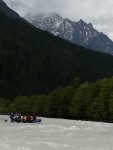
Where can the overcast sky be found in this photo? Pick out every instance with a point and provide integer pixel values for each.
(98, 12)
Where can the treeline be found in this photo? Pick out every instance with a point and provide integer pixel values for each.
(77, 101)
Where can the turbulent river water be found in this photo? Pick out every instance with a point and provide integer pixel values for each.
(56, 134)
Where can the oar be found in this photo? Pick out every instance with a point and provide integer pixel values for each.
(5, 120)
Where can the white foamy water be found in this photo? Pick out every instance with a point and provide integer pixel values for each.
(56, 134)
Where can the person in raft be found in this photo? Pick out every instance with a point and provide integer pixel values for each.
(28, 118)
(12, 117)
(33, 118)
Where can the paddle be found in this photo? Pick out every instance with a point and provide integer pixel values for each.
(5, 120)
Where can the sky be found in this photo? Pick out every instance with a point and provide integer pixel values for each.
(97, 12)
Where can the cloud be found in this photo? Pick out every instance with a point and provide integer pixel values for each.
(98, 12)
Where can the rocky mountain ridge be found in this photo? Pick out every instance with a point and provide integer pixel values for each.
(79, 32)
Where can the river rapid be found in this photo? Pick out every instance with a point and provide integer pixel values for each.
(56, 134)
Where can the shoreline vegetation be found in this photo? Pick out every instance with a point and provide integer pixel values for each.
(78, 101)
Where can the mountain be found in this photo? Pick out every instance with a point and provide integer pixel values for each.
(33, 61)
(79, 32)
(10, 13)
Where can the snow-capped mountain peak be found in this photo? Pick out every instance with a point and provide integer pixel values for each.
(79, 32)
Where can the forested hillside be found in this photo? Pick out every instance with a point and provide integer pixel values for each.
(82, 101)
(35, 62)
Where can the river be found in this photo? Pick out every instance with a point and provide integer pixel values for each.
(56, 134)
